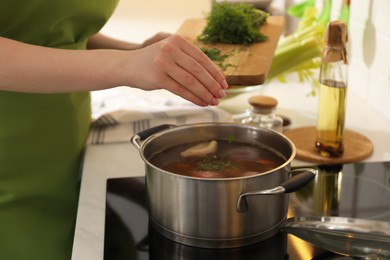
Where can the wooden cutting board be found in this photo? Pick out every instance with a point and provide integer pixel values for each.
(250, 64)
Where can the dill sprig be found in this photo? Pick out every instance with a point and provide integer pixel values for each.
(215, 55)
(214, 163)
(234, 24)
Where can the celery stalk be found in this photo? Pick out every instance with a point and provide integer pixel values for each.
(294, 54)
(312, 30)
(298, 10)
(300, 52)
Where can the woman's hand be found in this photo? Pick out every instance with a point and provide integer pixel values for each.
(155, 38)
(178, 66)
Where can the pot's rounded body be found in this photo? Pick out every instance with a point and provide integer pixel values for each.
(202, 212)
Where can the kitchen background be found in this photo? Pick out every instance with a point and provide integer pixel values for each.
(369, 81)
(370, 53)
(369, 34)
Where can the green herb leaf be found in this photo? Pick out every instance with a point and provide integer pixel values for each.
(214, 54)
(214, 163)
(231, 138)
(234, 24)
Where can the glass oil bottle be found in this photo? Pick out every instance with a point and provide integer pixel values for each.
(333, 91)
(263, 114)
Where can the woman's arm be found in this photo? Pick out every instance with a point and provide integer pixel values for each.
(31, 68)
(101, 41)
(173, 64)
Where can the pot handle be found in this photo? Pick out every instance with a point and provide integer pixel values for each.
(137, 138)
(293, 184)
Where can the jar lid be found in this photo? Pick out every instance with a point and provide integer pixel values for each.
(265, 102)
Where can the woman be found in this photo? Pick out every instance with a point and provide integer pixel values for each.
(46, 72)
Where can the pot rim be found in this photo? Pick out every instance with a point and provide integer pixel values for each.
(184, 126)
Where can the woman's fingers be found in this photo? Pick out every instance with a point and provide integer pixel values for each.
(180, 90)
(189, 83)
(194, 52)
(179, 66)
(194, 71)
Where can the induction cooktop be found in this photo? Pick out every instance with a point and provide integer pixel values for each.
(359, 190)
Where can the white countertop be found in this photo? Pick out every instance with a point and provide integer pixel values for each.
(122, 159)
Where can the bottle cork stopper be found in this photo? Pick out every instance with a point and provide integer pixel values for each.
(336, 33)
(263, 102)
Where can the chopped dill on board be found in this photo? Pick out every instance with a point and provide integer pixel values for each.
(234, 24)
(215, 55)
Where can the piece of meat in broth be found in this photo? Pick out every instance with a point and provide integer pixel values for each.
(201, 149)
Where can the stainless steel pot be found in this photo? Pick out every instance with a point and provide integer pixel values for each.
(218, 213)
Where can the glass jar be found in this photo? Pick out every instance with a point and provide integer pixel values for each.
(262, 113)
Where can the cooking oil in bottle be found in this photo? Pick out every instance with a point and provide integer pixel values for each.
(333, 91)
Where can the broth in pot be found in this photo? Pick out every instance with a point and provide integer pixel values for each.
(217, 159)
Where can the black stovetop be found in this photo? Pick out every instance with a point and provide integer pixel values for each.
(360, 190)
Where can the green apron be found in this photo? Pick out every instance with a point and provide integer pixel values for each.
(42, 135)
